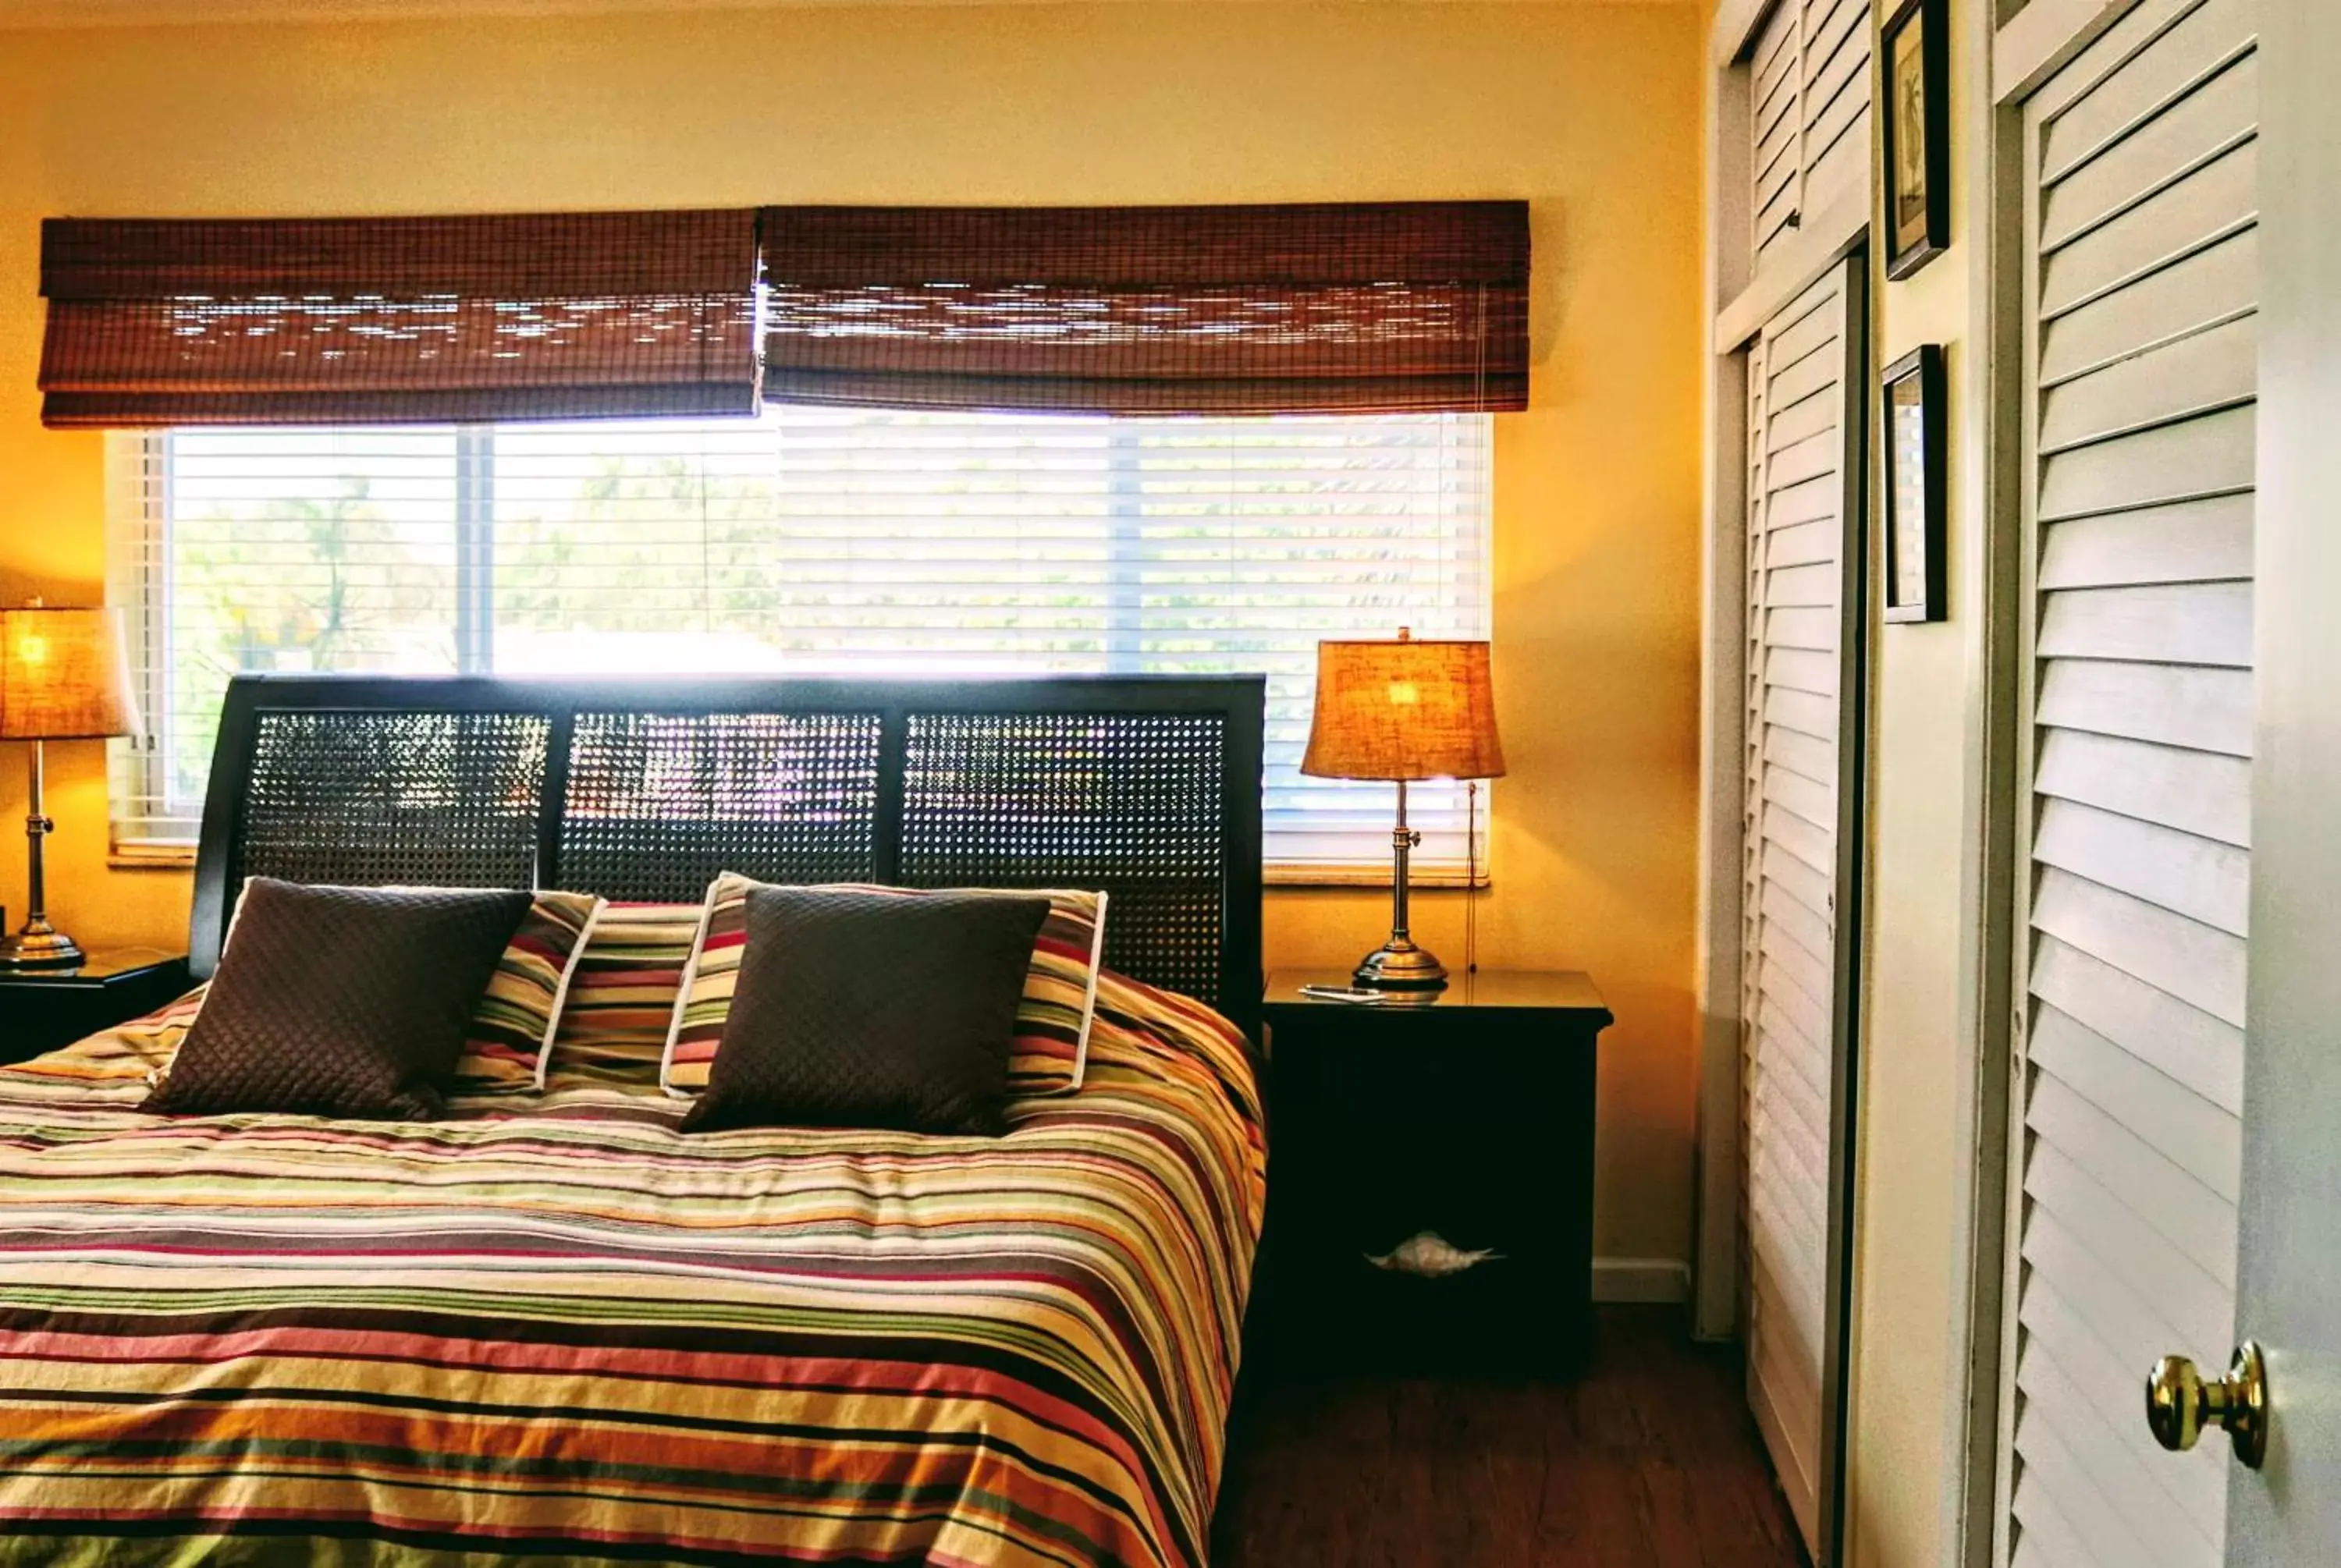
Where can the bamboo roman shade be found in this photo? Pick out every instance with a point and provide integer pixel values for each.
(1358, 308)
(398, 319)
(1407, 307)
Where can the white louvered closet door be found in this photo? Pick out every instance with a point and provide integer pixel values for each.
(2141, 278)
(1809, 92)
(1802, 487)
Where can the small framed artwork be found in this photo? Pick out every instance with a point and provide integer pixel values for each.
(1918, 136)
(1912, 420)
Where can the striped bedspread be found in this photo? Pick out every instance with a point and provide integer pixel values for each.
(551, 1326)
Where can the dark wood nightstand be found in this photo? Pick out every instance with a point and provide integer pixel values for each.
(1411, 1133)
(41, 1009)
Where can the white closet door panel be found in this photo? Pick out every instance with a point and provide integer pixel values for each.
(1791, 1190)
(1785, 1002)
(2202, 792)
(1776, 149)
(2153, 946)
(2179, 623)
(1784, 1337)
(2127, 1248)
(1794, 1025)
(1835, 100)
(2144, 87)
(1816, 501)
(1802, 585)
(2200, 709)
(2047, 1542)
(1800, 545)
(2193, 542)
(1798, 436)
(2186, 1212)
(2110, 1387)
(1778, 213)
(2218, 283)
(1788, 962)
(2192, 1132)
(2210, 370)
(1841, 97)
(1813, 890)
(1792, 338)
(2214, 117)
(1814, 629)
(1798, 1117)
(1839, 44)
(1786, 1249)
(2202, 457)
(1806, 841)
(2187, 215)
(2180, 1041)
(2099, 1520)
(2141, 279)
(1775, 57)
(1806, 756)
(2201, 879)
(1815, 376)
(2122, 1317)
(1801, 713)
(1814, 416)
(1839, 166)
(1782, 912)
(1800, 796)
(1801, 669)
(2106, 1463)
(1787, 1099)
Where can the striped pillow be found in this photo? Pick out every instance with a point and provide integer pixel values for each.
(512, 1028)
(622, 1002)
(1050, 1048)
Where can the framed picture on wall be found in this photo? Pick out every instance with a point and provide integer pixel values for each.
(1917, 133)
(1912, 422)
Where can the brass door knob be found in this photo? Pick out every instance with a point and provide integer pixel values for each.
(2179, 1404)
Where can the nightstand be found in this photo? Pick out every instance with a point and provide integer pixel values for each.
(1430, 1176)
(41, 1009)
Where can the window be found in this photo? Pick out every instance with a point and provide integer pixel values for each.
(808, 540)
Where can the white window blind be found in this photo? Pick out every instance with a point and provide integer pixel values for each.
(809, 541)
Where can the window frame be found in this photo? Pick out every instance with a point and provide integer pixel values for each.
(141, 571)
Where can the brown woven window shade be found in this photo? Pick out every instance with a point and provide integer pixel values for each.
(1375, 308)
(392, 320)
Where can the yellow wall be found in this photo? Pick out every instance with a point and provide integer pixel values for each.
(1588, 111)
(1911, 1165)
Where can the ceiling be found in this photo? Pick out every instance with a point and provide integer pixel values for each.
(135, 12)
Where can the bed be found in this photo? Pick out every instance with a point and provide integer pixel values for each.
(551, 1325)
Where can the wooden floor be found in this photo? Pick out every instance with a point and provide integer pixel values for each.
(1650, 1461)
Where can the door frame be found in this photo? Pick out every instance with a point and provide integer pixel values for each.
(1741, 299)
(2012, 47)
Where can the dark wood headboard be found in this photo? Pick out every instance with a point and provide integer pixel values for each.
(1146, 786)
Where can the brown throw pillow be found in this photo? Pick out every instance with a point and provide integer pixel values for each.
(339, 1001)
(873, 1010)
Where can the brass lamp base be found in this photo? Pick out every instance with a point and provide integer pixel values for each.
(40, 945)
(1399, 966)
(37, 944)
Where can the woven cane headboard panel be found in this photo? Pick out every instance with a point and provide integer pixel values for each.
(1148, 786)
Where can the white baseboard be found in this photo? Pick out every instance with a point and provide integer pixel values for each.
(1641, 1279)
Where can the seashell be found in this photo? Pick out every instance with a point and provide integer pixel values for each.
(1429, 1255)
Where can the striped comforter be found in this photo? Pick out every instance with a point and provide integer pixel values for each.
(551, 1325)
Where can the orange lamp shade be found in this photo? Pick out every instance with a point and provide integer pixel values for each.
(65, 675)
(1403, 709)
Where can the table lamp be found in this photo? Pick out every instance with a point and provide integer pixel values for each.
(63, 675)
(1403, 710)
